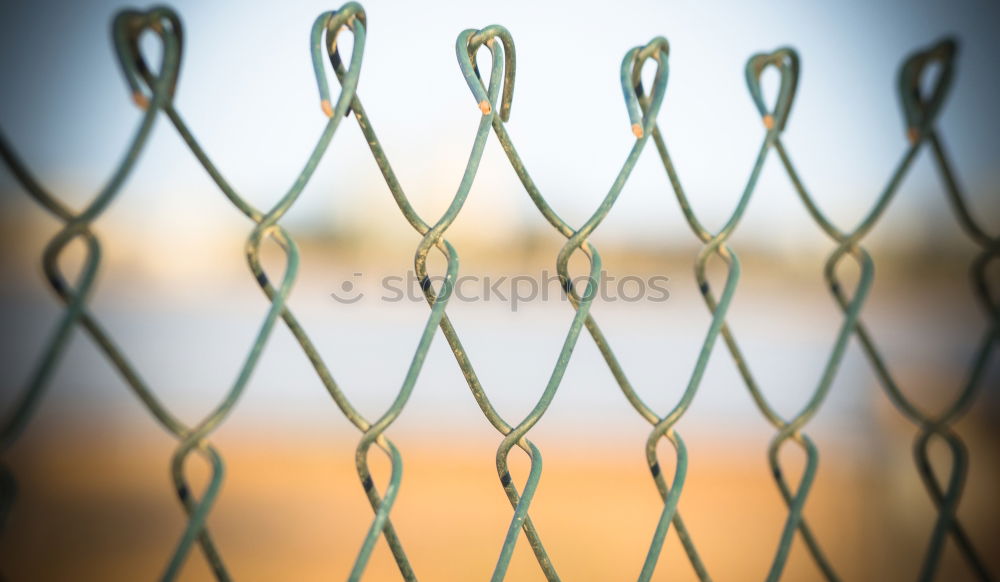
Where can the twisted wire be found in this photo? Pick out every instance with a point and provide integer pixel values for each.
(920, 113)
(715, 245)
(126, 27)
(154, 92)
(785, 60)
(350, 16)
(329, 25)
(656, 49)
(467, 44)
(433, 236)
(198, 508)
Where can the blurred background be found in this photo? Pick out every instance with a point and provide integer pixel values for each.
(174, 290)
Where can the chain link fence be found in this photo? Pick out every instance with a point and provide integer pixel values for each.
(153, 88)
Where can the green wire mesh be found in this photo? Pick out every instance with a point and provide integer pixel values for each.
(154, 93)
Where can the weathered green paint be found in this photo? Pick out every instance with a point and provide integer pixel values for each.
(154, 93)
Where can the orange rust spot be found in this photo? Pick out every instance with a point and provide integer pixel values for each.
(637, 130)
(484, 106)
(326, 107)
(140, 100)
(769, 121)
(913, 134)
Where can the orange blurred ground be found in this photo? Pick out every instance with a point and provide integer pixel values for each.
(104, 510)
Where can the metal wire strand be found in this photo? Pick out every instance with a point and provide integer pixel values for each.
(153, 89)
(576, 241)
(501, 62)
(328, 25)
(920, 112)
(198, 509)
(126, 28)
(433, 236)
(774, 118)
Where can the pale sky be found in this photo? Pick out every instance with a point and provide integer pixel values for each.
(247, 91)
